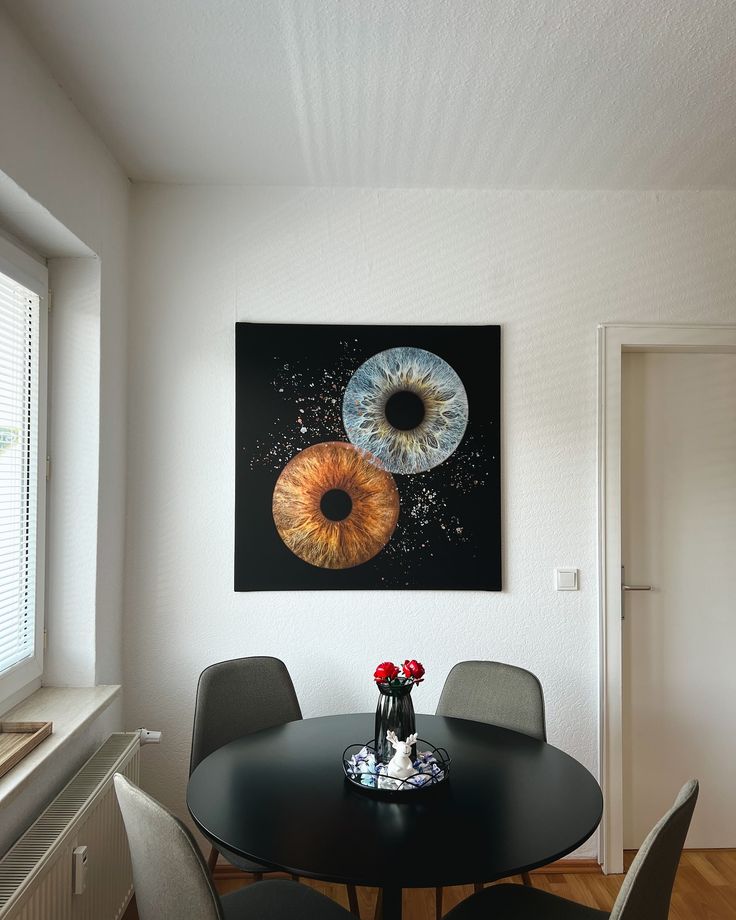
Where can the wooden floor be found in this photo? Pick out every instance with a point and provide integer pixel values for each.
(705, 889)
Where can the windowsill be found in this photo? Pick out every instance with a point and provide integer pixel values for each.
(71, 709)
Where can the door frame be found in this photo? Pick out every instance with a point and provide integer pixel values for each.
(613, 340)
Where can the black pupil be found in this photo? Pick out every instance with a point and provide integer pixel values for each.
(336, 505)
(404, 410)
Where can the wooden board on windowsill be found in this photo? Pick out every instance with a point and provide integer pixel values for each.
(18, 739)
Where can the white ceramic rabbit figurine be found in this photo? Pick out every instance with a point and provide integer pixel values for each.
(400, 765)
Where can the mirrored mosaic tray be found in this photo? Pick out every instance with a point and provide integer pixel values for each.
(364, 773)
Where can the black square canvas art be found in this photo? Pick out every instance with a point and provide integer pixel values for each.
(367, 457)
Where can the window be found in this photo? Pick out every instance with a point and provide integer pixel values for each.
(22, 468)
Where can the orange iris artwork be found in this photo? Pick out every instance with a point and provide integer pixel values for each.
(334, 507)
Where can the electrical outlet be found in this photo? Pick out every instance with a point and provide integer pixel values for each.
(79, 869)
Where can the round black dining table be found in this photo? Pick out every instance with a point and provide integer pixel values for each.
(280, 797)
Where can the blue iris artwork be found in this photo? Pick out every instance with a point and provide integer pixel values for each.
(367, 457)
(407, 407)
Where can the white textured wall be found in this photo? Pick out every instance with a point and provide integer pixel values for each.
(547, 266)
(73, 445)
(52, 153)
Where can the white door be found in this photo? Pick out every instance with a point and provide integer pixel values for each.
(679, 640)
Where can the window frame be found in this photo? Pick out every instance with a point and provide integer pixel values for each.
(31, 271)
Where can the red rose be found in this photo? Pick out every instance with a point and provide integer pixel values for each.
(413, 669)
(387, 670)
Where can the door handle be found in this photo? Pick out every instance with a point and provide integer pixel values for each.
(625, 587)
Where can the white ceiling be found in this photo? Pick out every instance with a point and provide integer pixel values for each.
(486, 93)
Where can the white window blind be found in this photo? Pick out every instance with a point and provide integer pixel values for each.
(19, 413)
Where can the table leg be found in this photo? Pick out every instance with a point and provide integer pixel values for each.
(391, 903)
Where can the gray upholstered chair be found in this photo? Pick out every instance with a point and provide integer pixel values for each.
(644, 895)
(235, 698)
(497, 693)
(172, 882)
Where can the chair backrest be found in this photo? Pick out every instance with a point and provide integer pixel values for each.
(171, 880)
(647, 888)
(497, 693)
(237, 697)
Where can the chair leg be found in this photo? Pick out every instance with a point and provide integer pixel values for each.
(478, 886)
(438, 904)
(378, 915)
(527, 879)
(353, 900)
(212, 860)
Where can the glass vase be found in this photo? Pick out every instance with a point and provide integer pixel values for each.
(394, 712)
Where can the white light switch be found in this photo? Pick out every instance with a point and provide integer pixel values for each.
(566, 579)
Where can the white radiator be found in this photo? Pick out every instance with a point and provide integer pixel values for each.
(36, 874)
